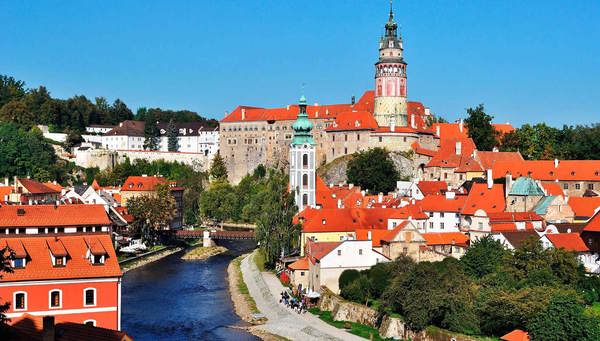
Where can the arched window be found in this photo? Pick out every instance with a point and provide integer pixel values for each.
(305, 160)
(55, 298)
(305, 180)
(89, 297)
(304, 199)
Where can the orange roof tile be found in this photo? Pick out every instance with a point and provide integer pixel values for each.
(376, 235)
(15, 246)
(566, 170)
(36, 187)
(445, 238)
(354, 120)
(300, 264)
(488, 159)
(317, 250)
(593, 225)
(553, 189)
(4, 191)
(95, 246)
(432, 187)
(423, 151)
(56, 187)
(39, 265)
(439, 203)
(50, 215)
(95, 185)
(453, 130)
(516, 335)
(584, 207)
(489, 200)
(448, 156)
(500, 217)
(390, 234)
(143, 183)
(568, 241)
(56, 247)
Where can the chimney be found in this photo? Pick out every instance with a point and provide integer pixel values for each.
(490, 179)
(369, 235)
(380, 197)
(555, 163)
(339, 203)
(412, 120)
(243, 114)
(30, 202)
(48, 333)
(427, 111)
(474, 153)
(460, 125)
(437, 131)
(495, 149)
(15, 183)
(458, 148)
(350, 186)
(450, 195)
(362, 192)
(353, 100)
(287, 107)
(6, 182)
(508, 184)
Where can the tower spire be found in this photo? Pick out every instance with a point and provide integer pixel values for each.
(391, 11)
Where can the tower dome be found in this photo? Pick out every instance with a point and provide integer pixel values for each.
(302, 126)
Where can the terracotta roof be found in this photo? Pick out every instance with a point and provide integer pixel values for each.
(593, 224)
(128, 128)
(30, 327)
(39, 265)
(284, 114)
(423, 151)
(143, 183)
(568, 241)
(567, 170)
(510, 227)
(122, 210)
(56, 247)
(56, 187)
(390, 234)
(432, 187)
(376, 235)
(95, 185)
(584, 207)
(499, 217)
(468, 164)
(51, 216)
(516, 335)
(317, 250)
(95, 246)
(453, 130)
(480, 197)
(15, 246)
(445, 238)
(36, 187)
(488, 159)
(300, 264)
(354, 120)
(554, 189)
(439, 203)
(447, 156)
(4, 191)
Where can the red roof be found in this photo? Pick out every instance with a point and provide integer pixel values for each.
(51, 215)
(317, 250)
(4, 191)
(480, 197)
(288, 113)
(566, 170)
(95, 185)
(300, 264)
(423, 151)
(432, 187)
(122, 210)
(448, 156)
(488, 159)
(516, 335)
(143, 183)
(593, 224)
(439, 203)
(503, 128)
(376, 235)
(39, 264)
(390, 234)
(554, 189)
(499, 217)
(35, 187)
(584, 206)
(568, 241)
(453, 130)
(445, 238)
(354, 120)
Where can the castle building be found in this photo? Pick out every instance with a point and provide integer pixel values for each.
(250, 136)
(302, 160)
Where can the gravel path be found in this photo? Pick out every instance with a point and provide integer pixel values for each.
(265, 289)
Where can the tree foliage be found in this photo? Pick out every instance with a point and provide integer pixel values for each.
(373, 170)
(6, 255)
(480, 127)
(151, 133)
(218, 169)
(152, 213)
(173, 143)
(484, 257)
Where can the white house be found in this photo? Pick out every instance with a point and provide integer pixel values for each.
(572, 242)
(327, 261)
(443, 212)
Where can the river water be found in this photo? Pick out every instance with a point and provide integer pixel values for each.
(172, 299)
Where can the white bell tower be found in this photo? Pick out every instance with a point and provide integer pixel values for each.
(303, 160)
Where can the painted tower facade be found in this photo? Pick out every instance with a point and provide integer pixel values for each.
(390, 78)
(303, 160)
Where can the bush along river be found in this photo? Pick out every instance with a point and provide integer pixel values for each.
(175, 299)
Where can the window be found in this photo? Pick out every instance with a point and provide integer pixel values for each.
(442, 226)
(380, 139)
(301, 273)
(19, 263)
(55, 299)
(591, 186)
(97, 259)
(431, 224)
(304, 160)
(404, 250)
(305, 180)
(480, 225)
(89, 297)
(339, 252)
(345, 150)
(90, 323)
(305, 201)
(442, 214)
(357, 137)
(577, 186)
(360, 252)
(565, 186)
(20, 300)
(59, 261)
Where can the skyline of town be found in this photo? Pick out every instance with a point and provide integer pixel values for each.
(193, 64)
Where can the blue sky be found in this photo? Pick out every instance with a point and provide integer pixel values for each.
(527, 61)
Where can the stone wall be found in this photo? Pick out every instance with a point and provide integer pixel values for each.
(342, 310)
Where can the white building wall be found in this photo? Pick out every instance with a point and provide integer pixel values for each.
(442, 222)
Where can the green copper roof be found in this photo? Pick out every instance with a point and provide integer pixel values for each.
(542, 207)
(526, 186)
(303, 126)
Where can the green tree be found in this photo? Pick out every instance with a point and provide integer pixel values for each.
(73, 138)
(373, 170)
(276, 234)
(359, 290)
(346, 277)
(172, 132)
(218, 169)
(481, 129)
(6, 255)
(10, 89)
(218, 202)
(152, 213)
(118, 112)
(483, 257)
(151, 133)
(16, 111)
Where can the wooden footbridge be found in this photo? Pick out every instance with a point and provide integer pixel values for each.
(214, 234)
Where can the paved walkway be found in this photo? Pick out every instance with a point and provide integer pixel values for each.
(265, 289)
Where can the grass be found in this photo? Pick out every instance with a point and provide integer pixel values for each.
(242, 287)
(596, 307)
(357, 329)
(259, 260)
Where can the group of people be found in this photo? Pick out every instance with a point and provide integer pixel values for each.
(297, 305)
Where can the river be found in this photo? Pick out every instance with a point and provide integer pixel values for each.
(172, 299)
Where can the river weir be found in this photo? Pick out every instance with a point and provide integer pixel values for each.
(175, 299)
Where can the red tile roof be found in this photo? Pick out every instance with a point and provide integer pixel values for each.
(376, 235)
(516, 335)
(317, 250)
(593, 225)
(16, 246)
(390, 234)
(447, 156)
(488, 159)
(567, 170)
(53, 216)
(128, 128)
(568, 241)
(584, 207)
(439, 203)
(354, 120)
(445, 238)
(423, 151)
(36, 187)
(480, 197)
(500, 217)
(300, 264)
(122, 210)
(554, 189)
(432, 187)
(56, 247)
(453, 130)
(39, 265)
(143, 183)
(4, 191)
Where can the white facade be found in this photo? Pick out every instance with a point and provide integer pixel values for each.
(588, 259)
(303, 175)
(98, 129)
(206, 142)
(441, 222)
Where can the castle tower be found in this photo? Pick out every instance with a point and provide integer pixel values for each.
(302, 160)
(390, 78)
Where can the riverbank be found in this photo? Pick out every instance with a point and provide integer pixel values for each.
(146, 258)
(201, 253)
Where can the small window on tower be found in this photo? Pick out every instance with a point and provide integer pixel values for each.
(391, 43)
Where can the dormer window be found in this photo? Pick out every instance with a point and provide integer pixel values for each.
(97, 259)
(96, 253)
(19, 263)
(58, 253)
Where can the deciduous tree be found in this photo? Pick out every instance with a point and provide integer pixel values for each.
(373, 170)
(481, 129)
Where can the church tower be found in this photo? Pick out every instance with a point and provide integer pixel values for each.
(302, 160)
(390, 78)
